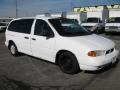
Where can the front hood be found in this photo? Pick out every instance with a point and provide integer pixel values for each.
(113, 24)
(89, 24)
(94, 42)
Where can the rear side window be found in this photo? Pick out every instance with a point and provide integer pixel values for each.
(22, 26)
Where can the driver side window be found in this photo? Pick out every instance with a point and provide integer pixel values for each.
(42, 28)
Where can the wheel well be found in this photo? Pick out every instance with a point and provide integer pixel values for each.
(59, 53)
(10, 42)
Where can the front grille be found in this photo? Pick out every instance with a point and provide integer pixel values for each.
(104, 66)
(88, 27)
(109, 51)
(113, 27)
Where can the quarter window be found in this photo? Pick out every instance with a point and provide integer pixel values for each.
(22, 26)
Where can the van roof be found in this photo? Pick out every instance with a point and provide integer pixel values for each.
(46, 17)
(23, 18)
(38, 17)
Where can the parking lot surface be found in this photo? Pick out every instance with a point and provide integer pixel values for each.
(29, 73)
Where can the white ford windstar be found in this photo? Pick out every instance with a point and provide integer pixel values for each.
(61, 41)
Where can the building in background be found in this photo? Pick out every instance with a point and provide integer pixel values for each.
(92, 5)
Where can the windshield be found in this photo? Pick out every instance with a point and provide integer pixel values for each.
(68, 27)
(114, 20)
(93, 20)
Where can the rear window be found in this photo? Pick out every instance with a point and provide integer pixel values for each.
(22, 26)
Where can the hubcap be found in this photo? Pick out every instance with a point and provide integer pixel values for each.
(12, 49)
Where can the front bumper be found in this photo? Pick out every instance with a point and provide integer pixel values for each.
(6, 43)
(112, 30)
(99, 63)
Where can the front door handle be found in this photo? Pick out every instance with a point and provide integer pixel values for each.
(26, 37)
(33, 39)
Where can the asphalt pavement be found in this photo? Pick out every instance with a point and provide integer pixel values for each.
(29, 73)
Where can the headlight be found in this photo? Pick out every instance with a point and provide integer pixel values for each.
(96, 53)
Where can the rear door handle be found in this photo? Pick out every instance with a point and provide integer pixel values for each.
(26, 37)
(33, 39)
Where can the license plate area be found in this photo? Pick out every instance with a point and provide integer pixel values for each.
(114, 59)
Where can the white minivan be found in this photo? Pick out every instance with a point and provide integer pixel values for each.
(61, 41)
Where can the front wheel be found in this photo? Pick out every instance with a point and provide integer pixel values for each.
(68, 63)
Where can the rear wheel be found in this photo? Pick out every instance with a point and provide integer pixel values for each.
(13, 49)
(68, 63)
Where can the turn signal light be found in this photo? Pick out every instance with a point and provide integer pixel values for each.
(92, 53)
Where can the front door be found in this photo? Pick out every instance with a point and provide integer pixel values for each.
(42, 46)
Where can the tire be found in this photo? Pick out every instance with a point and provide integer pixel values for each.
(68, 63)
(13, 49)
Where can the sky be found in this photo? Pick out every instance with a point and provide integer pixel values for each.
(35, 7)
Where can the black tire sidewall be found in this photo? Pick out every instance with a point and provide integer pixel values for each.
(75, 67)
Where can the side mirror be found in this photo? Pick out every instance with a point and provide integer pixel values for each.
(49, 35)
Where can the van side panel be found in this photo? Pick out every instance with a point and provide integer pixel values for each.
(19, 32)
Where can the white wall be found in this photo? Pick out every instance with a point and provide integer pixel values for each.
(114, 13)
(97, 14)
(56, 15)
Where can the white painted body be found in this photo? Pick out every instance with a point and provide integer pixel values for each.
(48, 48)
(113, 13)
